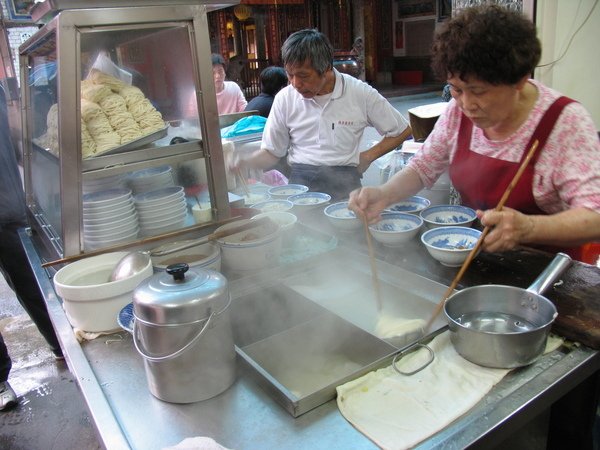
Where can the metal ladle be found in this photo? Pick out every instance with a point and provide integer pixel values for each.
(134, 262)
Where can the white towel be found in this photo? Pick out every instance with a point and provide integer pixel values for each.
(397, 411)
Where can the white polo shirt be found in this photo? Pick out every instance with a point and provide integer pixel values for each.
(328, 135)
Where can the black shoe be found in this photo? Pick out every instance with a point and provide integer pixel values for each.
(8, 398)
(58, 355)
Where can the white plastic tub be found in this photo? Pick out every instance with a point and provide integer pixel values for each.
(91, 302)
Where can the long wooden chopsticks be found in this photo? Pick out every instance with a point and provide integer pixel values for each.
(484, 233)
(374, 276)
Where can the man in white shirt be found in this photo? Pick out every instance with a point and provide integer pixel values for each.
(319, 118)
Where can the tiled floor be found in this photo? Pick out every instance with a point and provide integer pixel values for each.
(51, 413)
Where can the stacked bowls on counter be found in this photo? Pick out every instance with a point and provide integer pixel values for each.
(151, 179)
(161, 210)
(118, 181)
(109, 218)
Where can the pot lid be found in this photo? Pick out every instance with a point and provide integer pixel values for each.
(180, 295)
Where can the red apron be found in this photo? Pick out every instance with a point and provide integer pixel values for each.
(471, 173)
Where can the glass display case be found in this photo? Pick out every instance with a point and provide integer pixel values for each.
(120, 126)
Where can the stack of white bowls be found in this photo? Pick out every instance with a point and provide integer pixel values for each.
(118, 181)
(109, 218)
(161, 210)
(151, 179)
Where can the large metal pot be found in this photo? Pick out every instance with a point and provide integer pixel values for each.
(183, 331)
(504, 326)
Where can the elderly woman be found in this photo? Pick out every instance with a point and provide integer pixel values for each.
(487, 55)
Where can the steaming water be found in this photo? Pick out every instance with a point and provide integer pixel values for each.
(349, 294)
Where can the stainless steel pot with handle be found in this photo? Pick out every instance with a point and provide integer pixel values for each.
(183, 331)
(504, 326)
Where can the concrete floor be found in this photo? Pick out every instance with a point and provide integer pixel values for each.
(51, 413)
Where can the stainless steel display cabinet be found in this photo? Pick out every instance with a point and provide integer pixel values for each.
(162, 50)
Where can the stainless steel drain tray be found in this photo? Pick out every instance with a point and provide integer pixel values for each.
(299, 351)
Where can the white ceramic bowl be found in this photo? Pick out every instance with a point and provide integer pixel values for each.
(412, 205)
(396, 229)
(450, 245)
(252, 249)
(448, 215)
(91, 302)
(286, 190)
(309, 200)
(274, 205)
(341, 217)
(285, 219)
(205, 256)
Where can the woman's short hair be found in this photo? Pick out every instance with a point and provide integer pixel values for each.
(489, 42)
(273, 79)
(308, 45)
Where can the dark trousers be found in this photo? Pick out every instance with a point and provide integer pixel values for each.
(5, 362)
(19, 276)
(337, 181)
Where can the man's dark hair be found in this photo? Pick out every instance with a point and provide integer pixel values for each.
(489, 42)
(218, 59)
(273, 79)
(308, 45)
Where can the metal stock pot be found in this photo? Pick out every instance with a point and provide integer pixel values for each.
(504, 326)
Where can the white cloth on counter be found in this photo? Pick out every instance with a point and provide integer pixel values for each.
(397, 411)
(197, 443)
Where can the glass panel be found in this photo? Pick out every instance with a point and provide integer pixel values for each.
(45, 179)
(136, 81)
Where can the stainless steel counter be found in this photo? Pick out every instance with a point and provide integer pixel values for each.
(111, 377)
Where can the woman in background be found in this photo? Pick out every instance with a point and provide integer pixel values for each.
(230, 98)
(272, 80)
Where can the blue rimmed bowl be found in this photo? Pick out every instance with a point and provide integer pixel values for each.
(448, 215)
(396, 229)
(274, 205)
(286, 190)
(412, 205)
(341, 217)
(450, 245)
(309, 200)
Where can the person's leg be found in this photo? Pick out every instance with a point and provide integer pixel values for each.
(8, 397)
(338, 181)
(18, 274)
(303, 174)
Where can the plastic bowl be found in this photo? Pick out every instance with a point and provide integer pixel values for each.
(448, 215)
(285, 219)
(412, 205)
(256, 248)
(91, 302)
(450, 245)
(396, 229)
(341, 217)
(205, 256)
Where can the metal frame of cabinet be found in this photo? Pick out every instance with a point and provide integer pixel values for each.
(65, 30)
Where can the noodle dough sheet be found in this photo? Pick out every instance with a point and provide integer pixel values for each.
(397, 411)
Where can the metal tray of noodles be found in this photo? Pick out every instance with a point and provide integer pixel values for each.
(299, 351)
(135, 144)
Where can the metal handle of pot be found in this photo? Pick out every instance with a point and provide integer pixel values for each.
(556, 267)
(176, 353)
(413, 347)
(410, 349)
